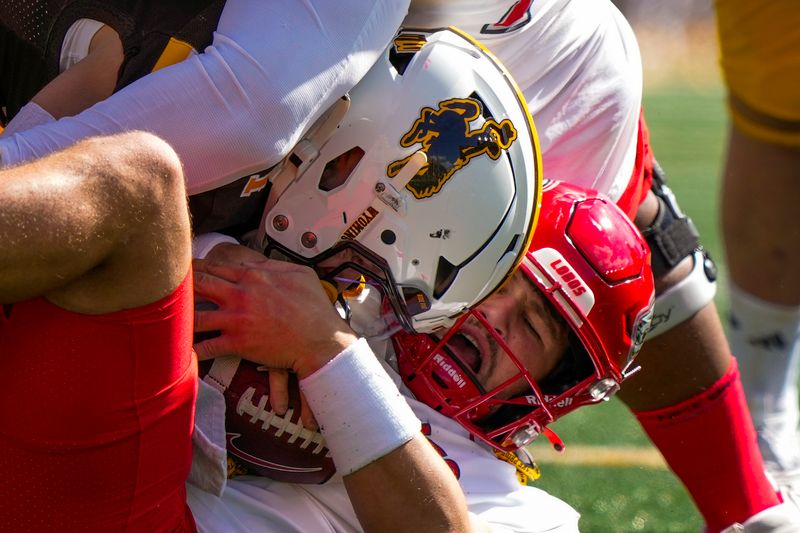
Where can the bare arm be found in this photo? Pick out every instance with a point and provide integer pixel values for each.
(98, 227)
(410, 489)
(277, 314)
(89, 81)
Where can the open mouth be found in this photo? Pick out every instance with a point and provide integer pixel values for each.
(465, 348)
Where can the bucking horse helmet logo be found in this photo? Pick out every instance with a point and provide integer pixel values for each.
(450, 144)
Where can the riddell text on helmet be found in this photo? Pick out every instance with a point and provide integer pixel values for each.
(450, 370)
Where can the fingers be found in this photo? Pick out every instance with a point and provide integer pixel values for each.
(234, 253)
(279, 398)
(273, 265)
(215, 278)
(231, 271)
(271, 312)
(232, 266)
(279, 390)
(212, 281)
(213, 320)
(212, 348)
(306, 416)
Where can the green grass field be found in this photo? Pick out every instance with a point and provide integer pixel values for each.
(610, 473)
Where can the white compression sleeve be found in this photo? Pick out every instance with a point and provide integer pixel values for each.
(29, 116)
(242, 104)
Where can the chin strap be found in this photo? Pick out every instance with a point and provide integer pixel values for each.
(527, 469)
(521, 459)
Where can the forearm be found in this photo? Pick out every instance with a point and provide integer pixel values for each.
(376, 444)
(410, 489)
(373, 435)
(88, 81)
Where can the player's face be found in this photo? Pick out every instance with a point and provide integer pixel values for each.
(522, 317)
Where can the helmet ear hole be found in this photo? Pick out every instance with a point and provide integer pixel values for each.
(338, 170)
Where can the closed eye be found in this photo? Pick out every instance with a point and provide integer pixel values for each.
(532, 328)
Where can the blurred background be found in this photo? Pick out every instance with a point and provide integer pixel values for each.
(609, 472)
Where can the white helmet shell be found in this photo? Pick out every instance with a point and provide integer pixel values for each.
(434, 167)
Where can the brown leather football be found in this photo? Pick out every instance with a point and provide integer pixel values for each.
(260, 441)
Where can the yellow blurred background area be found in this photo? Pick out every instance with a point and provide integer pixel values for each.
(678, 42)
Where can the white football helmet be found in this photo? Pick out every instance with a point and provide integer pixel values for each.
(430, 170)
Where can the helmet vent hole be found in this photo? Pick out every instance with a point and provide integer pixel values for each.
(446, 273)
(485, 113)
(513, 244)
(400, 60)
(388, 237)
(439, 381)
(338, 170)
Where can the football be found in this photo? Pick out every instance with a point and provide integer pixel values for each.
(259, 441)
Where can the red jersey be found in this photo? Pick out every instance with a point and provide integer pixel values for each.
(97, 414)
(642, 176)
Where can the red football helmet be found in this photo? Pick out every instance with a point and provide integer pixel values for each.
(593, 268)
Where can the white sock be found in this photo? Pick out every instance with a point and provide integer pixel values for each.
(765, 338)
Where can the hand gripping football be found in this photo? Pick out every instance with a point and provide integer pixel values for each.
(260, 441)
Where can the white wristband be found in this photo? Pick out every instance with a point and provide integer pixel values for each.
(359, 409)
(202, 244)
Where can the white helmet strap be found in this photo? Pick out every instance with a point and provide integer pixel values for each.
(305, 151)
